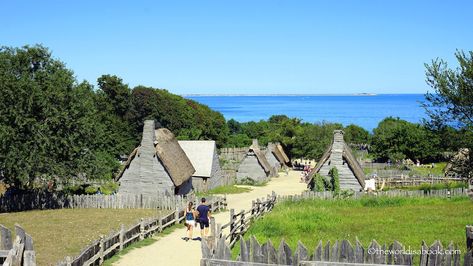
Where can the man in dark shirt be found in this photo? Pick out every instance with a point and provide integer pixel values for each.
(204, 215)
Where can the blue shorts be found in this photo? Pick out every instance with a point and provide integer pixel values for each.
(204, 223)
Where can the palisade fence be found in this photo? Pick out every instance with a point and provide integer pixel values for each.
(233, 154)
(107, 246)
(338, 253)
(441, 193)
(47, 200)
(19, 252)
(406, 181)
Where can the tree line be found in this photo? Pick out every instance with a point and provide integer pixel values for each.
(54, 127)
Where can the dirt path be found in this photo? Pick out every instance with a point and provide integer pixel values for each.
(172, 250)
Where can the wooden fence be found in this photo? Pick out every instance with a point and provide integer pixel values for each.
(240, 222)
(338, 253)
(19, 252)
(233, 154)
(106, 246)
(46, 200)
(442, 193)
(405, 181)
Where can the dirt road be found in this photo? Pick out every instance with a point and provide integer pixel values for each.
(172, 250)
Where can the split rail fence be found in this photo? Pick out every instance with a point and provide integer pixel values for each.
(106, 246)
(240, 222)
(19, 252)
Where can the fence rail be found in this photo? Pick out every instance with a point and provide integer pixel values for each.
(19, 252)
(106, 247)
(240, 222)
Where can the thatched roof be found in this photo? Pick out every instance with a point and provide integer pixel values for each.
(283, 153)
(260, 156)
(274, 150)
(320, 163)
(172, 156)
(354, 165)
(201, 154)
(347, 155)
(127, 163)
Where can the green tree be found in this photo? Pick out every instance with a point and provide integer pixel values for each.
(47, 121)
(356, 134)
(452, 99)
(234, 126)
(451, 102)
(118, 93)
(397, 139)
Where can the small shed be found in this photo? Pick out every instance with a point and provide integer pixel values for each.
(157, 166)
(203, 156)
(254, 165)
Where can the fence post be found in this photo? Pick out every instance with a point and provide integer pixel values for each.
(68, 261)
(232, 225)
(142, 229)
(160, 224)
(469, 237)
(176, 216)
(258, 206)
(242, 222)
(102, 249)
(122, 236)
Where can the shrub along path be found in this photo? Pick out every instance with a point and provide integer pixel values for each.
(172, 250)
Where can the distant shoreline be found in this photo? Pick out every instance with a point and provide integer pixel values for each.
(293, 95)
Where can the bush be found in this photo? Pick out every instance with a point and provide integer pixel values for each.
(109, 188)
(91, 190)
(319, 183)
(334, 180)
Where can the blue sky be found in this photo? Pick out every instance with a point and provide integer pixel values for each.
(320, 47)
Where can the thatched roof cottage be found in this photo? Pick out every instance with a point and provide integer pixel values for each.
(203, 156)
(283, 153)
(158, 165)
(339, 155)
(275, 156)
(254, 166)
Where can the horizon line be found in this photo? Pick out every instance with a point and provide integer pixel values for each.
(291, 94)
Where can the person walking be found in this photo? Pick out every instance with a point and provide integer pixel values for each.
(190, 220)
(203, 211)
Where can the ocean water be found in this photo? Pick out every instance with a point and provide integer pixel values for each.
(365, 111)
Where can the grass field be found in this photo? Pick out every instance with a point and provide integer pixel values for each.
(437, 170)
(60, 233)
(408, 220)
(230, 189)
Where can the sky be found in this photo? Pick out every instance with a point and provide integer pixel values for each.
(246, 47)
